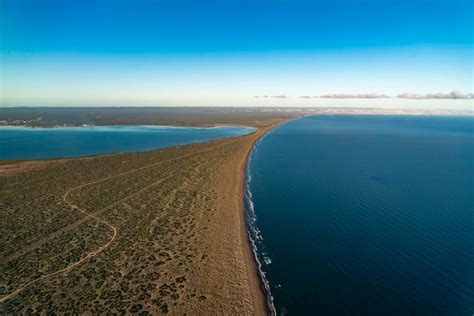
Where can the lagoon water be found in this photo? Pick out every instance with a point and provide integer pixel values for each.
(366, 215)
(38, 143)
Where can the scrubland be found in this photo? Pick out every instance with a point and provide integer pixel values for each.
(153, 232)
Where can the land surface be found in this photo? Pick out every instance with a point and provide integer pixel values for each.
(184, 116)
(146, 233)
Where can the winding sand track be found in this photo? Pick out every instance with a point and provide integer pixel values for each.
(77, 263)
(113, 229)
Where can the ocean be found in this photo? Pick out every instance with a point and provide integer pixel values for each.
(39, 143)
(365, 215)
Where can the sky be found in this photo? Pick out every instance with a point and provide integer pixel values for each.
(218, 53)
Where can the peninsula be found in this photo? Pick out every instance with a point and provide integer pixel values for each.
(153, 232)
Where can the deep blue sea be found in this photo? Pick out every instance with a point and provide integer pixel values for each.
(38, 143)
(366, 215)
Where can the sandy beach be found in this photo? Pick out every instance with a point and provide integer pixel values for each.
(154, 232)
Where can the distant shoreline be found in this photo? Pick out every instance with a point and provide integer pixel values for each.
(36, 117)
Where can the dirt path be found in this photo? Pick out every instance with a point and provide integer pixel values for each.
(77, 263)
(113, 229)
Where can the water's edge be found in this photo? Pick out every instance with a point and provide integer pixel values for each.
(254, 235)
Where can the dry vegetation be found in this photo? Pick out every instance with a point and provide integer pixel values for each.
(180, 244)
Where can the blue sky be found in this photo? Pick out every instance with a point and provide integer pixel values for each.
(226, 52)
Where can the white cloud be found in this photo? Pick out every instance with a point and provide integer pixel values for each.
(354, 96)
(451, 95)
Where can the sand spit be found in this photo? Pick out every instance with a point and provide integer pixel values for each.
(181, 244)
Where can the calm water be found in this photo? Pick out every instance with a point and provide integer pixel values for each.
(36, 143)
(367, 215)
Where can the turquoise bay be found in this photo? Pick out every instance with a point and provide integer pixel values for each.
(40, 143)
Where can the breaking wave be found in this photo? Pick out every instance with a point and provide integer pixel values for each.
(256, 239)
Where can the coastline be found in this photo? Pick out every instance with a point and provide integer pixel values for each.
(257, 287)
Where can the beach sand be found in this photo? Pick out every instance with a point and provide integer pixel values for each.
(155, 232)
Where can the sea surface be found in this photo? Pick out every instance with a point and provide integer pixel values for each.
(365, 215)
(38, 143)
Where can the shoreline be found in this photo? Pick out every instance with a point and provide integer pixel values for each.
(257, 286)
